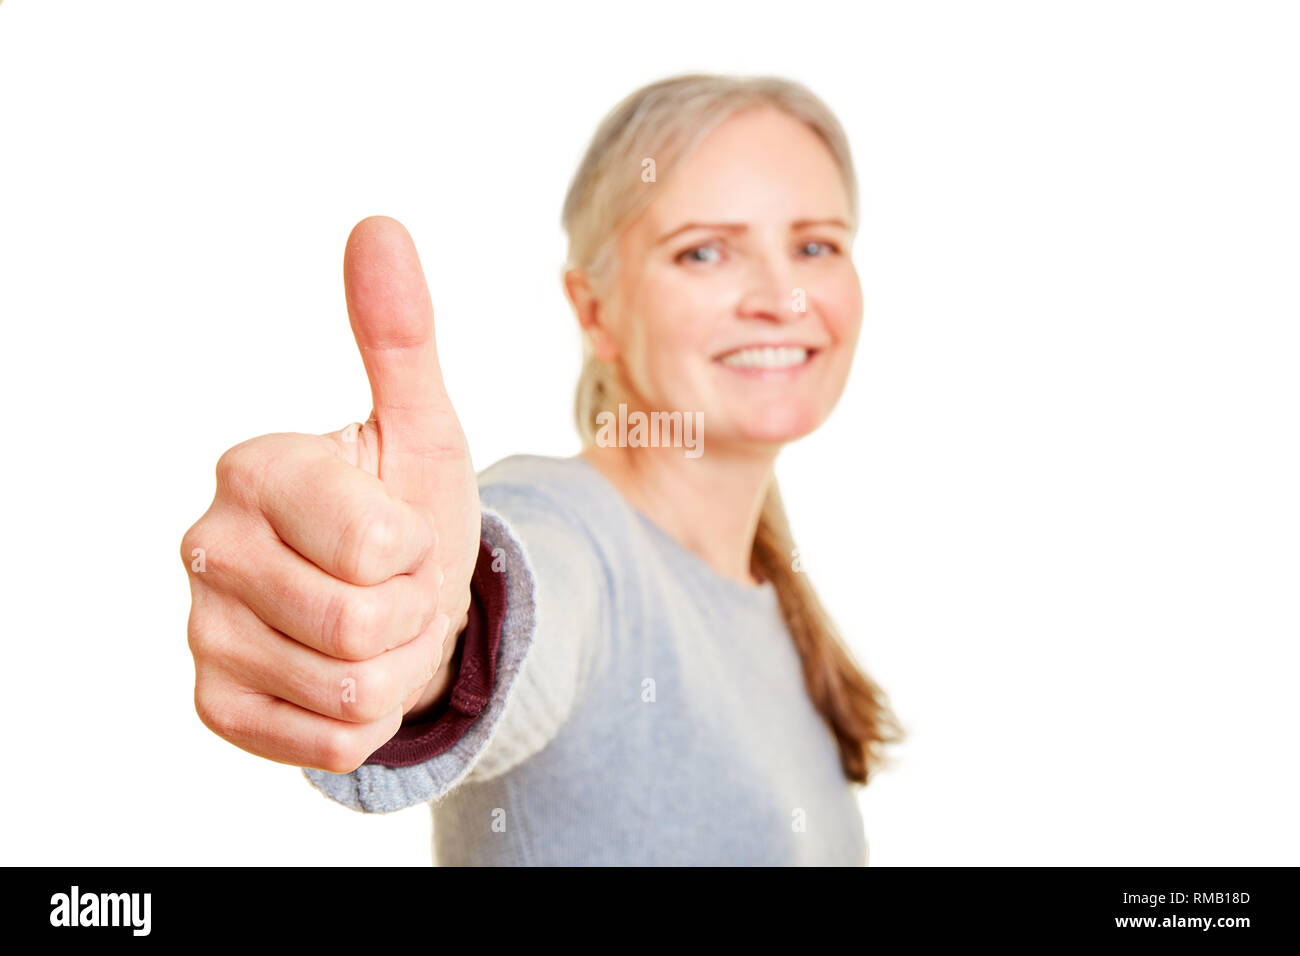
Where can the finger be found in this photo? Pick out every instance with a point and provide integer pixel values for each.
(344, 520)
(343, 620)
(261, 659)
(392, 320)
(286, 733)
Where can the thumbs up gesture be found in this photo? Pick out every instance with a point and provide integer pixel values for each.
(330, 577)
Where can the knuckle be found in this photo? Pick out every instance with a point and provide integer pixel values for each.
(190, 541)
(213, 709)
(366, 548)
(354, 626)
(452, 444)
(205, 547)
(379, 691)
(202, 639)
(237, 471)
(338, 751)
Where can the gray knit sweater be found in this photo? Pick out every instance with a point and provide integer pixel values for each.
(646, 709)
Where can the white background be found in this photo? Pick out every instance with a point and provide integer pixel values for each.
(1056, 511)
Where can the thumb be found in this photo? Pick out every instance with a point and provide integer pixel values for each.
(392, 319)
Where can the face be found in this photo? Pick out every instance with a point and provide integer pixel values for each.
(735, 293)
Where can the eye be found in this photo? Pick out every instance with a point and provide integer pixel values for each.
(827, 248)
(705, 253)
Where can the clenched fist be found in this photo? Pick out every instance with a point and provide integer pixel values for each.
(330, 577)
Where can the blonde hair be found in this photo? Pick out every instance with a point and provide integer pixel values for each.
(665, 121)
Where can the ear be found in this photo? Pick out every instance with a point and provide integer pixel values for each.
(591, 315)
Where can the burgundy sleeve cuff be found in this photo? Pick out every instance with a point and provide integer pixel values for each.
(417, 742)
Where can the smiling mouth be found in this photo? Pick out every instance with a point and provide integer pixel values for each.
(767, 358)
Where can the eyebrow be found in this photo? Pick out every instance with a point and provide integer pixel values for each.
(741, 227)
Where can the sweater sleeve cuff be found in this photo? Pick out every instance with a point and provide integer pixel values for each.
(376, 788)
(417, 742)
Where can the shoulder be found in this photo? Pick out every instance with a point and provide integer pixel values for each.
(568, 488)
(540, 471)
(560, 507)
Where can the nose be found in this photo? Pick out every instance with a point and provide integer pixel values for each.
(770, 292)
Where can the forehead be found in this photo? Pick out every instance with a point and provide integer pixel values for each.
(761, 165)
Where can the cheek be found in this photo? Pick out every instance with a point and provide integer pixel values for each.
(841, 309)
(840, 299)
(675, 332)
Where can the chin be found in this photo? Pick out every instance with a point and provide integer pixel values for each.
(778, 424)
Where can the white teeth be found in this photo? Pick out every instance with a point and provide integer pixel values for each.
(766, 358)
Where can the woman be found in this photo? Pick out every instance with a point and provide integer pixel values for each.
(639, 672)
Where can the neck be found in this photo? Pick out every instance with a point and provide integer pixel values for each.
(710, 504)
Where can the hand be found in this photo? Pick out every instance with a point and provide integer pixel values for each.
(330, 577)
